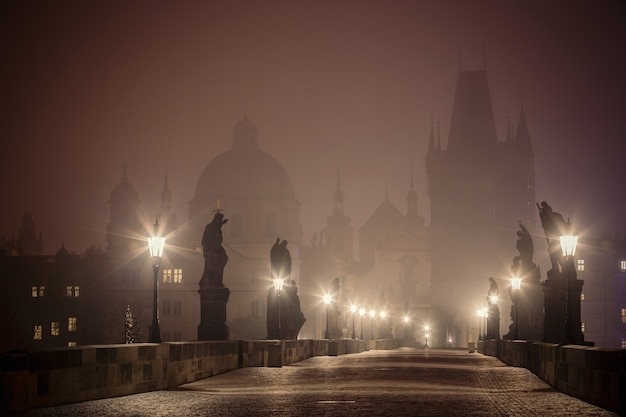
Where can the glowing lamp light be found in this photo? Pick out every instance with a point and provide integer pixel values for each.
(353, 308)
(327, 299)
(568, 245)
(156, 244)
(493, 299)
(278, 284)
(406, 319)
(516, 283)
(372, 314)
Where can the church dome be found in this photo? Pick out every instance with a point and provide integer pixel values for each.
(244, 171)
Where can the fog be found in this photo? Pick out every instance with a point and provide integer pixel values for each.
(87, 87)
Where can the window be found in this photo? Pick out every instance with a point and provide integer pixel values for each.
(178, 275)
(167, 276)
(72, 291)
(582, 296)
(623, 343)
(34, 291)
(38, 333)
(54, 328)
(580, 265)
(167, 308)
(71, 324)
(42, 290)
(71, 344)
(624, 315)
(582, 327)
(622, 265)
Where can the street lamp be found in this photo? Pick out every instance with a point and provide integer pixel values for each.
(372, 314)
(516, 284)
(156, 244)
(278, 287)
(568, 247)
(361, 314)
(353, 310)
(327, 299)
(482, 313)
(406, 320)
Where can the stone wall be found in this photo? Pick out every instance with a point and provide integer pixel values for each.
(54, 377)
(595, 375)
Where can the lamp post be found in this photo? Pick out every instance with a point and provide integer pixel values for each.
(361, 314)
(406, 320)
(278, 287)
(483, 313)
(327, 299)
(372, 314)
(156, 244)
(516, 284)
(353, 309)
(568, 247)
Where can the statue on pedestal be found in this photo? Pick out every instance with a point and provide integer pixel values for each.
(284, 315)
(213, 294)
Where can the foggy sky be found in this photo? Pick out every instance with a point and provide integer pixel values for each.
(89, 86)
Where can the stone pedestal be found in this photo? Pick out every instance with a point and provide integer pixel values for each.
(493, 323)
(213, 301)
(554, 307)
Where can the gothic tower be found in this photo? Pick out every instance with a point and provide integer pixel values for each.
(125, 234)
(480, 188)
(339, 235)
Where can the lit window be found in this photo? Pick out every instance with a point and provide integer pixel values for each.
(33, 291)
(38, 334)
(580, 265)
(178, 275)
(582, 327)
(54, 328)
(71, 291)
(623, 343)
(71, 344)
(622, 265)
(76, 290)
(167, 276)
(71, 324)
(624, 315)
(42, 291)
(582, 296)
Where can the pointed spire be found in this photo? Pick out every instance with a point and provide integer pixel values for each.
(413, 219)
(338, 217)
(509, 133)
(438, 147)
(166, 195)
(431, 140)
(522, 135)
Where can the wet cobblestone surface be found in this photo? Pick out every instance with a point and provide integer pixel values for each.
(402, 382)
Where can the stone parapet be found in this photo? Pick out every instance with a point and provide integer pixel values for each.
(62, 376)
(595, 375)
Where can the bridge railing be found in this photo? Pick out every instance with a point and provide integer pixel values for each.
(62, 376)
(595, 375)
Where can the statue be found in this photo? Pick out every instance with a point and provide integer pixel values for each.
(284, 314)
(280, 259)
(525, 247)
(493, 287)
(213, 294)
(553, 226)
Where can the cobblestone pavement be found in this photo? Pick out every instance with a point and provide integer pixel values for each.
(402, 382)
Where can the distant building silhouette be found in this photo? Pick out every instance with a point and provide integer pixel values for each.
(480, 188)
